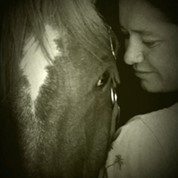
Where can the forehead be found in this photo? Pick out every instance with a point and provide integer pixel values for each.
(139, 15)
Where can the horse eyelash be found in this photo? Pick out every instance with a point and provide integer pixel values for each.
(103, 80)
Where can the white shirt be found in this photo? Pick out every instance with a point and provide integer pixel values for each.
(147, 147)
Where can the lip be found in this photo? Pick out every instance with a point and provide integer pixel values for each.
(142, 73)
(144, 70)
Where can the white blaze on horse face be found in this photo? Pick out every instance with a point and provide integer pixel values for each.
(35, 61)
(50, 36)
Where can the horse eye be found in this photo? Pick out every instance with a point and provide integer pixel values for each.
(103, 80)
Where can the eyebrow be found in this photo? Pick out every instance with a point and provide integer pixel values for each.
(142, 32)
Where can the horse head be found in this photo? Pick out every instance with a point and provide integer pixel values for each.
(57, 71)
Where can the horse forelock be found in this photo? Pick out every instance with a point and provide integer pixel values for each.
(79, 18)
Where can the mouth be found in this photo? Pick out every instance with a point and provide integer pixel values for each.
(142, 73)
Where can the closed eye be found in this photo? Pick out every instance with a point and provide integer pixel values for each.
(151, 43)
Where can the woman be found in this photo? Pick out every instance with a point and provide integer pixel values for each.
(147, 146)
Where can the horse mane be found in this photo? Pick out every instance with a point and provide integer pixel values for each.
(23, 17)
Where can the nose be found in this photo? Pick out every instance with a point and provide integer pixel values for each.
(134, 51)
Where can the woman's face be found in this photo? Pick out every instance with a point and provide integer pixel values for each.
(151, 45)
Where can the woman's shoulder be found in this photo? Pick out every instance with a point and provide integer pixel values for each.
(150, 139)
(160, 123)
(161, 115)
(158, 127)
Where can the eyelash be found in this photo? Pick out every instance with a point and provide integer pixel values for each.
(103, 80)
(150, 43)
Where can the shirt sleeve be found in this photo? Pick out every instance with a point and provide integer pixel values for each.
(136, 153)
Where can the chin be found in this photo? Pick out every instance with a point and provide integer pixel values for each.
(152, 87)
(157, 87)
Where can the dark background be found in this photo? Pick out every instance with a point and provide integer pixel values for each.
(132, 99)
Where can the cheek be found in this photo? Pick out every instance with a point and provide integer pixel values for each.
(100, 115)
(98, 127)
(88, 104)
(171, 71)
(166, 60)
(159, 58)
(164, 63)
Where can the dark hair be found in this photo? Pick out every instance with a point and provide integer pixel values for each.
(168, 8)
(19, 18)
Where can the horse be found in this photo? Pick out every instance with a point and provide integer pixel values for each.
(57, 71)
